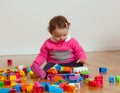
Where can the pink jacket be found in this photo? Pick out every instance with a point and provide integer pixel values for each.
(64, 52)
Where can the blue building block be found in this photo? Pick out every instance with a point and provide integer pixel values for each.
(45, 85)
(56, 83)
(103, 69)
(51, 88)
(73, 81)
(80, 78)
(58, 90)
(5, 74)
(18, 88)
(67, 76)
(28, 69)
(58, 67)
(111, 79)
(4, 90)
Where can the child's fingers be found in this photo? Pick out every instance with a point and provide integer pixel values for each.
(87, 64)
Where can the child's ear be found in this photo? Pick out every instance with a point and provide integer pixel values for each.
(69, 24)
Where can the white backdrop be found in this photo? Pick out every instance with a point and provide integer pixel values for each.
(23, 24)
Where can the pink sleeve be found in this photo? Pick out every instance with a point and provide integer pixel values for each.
(42, 56)
(38, 71)
(78, 50)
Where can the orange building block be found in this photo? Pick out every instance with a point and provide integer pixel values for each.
(67, 69)
(57, 78)
(52, 71)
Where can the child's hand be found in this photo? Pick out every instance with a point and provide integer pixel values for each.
(82, 61)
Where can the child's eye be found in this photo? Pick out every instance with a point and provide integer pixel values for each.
(57, 36)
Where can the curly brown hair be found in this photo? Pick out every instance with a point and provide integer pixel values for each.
(58, 22)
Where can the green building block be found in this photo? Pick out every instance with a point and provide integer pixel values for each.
(1, 84)
(117, 78)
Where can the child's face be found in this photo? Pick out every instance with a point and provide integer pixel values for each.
(60, 35)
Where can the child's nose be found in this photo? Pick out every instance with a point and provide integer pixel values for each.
(61, 38)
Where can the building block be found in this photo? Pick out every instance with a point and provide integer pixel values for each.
(5, 74)
(85, 72)
(4, 90)
(77, 85)
(87, 80)
(57, 83)
(80, 78)
(57, 67)
(85, 76)
(36, 85)
(62, 80)
(67, 69)
(28, 69)
(117, 78)
(13, 91)
(99, 77)
(18, 88)
(1, 84)
(79, 69)
(111, 79)
(58, 90)
(29, 88)
(45, 85)
(32, 75)
(24, 87)
(68, 75)
(13, 83)
(9, 62)
(102, 69)
(20, 67)
(25, 70)
(57, 78)
(12, 77)
(73, 81)
(22, 73)
(50, 88)
(76, 77)
(97, 82)
(62, 84)
(40, 89)
(7, 83)
(50, 77)
(37, 88)
(17, 74)
(2, 78)
(69, 88)
(35, 91)
(92, 83)
(52, 71)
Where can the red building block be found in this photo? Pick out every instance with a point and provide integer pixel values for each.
(13, 91)
(9, 62)
(40, 89)
(7, 83)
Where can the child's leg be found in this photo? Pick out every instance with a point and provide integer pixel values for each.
(73, 64)
(48, 66)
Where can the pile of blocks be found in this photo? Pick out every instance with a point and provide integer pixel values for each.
(64, 78)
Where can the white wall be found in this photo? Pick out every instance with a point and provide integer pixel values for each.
(23, 23)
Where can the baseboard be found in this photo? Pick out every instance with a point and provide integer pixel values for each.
(103, 47)
(19, 51)
(88, 48)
